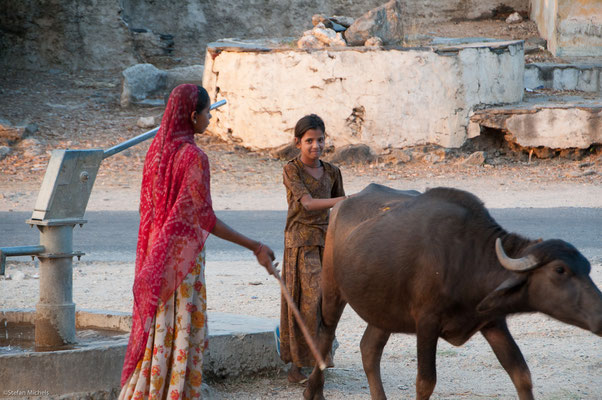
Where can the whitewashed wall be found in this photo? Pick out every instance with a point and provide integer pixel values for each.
(572, 28)
(383, 98)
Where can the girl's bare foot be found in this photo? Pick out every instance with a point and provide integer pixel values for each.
(295, 375)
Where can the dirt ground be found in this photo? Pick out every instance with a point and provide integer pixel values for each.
(82, 111)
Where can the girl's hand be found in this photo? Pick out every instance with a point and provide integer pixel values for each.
(265, 256)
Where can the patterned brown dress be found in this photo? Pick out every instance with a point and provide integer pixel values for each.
(304, 237)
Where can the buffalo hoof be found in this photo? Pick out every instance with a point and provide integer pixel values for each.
(311, 395)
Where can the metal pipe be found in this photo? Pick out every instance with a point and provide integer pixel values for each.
(55, 311)
(217, 104)
(147, 135)
(18, 251)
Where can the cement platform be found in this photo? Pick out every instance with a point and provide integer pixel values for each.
(239, 345)
(556, 121)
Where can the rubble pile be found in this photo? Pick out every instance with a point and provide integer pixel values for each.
(378, 27)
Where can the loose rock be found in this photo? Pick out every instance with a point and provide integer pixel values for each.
(309, 42)
(146, 122)
(352, 154)
(342, 20)
(374, 41)
(325, 38)
(384, 22)
(143, 83)
(321, 19)
(514, 18)
(476, 158)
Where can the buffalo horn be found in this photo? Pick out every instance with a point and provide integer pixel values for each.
(523, 264)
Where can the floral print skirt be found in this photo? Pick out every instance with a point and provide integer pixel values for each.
(172, 366)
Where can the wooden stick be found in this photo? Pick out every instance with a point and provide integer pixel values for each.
(308, 338)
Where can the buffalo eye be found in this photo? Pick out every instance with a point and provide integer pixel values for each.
(560, 270)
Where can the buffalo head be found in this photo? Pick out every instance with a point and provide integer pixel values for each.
(553, 278)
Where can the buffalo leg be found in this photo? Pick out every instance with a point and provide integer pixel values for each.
(509, 355)
(372, 345)
(331, 310)
(427, 335)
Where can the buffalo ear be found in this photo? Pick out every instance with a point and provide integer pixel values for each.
(504, 295)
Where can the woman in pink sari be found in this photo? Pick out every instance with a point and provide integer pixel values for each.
(169, 331)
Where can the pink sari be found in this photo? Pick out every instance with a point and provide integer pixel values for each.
(176, 216)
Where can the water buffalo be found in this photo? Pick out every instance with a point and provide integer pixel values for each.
(438, 265)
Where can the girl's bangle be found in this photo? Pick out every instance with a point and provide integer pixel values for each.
(258, 249)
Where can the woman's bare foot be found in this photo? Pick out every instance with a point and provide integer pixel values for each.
(295, 375)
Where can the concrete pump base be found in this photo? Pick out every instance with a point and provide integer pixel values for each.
(238, 345)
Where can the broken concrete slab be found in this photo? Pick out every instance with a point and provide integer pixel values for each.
(554, 122)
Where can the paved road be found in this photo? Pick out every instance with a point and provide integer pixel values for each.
(111, 236)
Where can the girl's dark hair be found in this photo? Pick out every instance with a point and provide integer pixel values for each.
(311, 121)
(202, 99)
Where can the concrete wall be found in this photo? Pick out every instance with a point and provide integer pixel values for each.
(582, 77)
(383, 98)
(571, 27)
(114, 34)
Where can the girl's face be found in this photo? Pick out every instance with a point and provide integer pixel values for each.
(311, 145)
(200, 121)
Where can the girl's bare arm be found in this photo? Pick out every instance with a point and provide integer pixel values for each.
(311, 204)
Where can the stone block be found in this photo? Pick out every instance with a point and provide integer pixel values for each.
(143, 84)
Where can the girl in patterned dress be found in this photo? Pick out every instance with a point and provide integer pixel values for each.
(164, 357)
(312, 186)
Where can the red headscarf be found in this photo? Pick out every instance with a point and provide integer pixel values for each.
(176, 216)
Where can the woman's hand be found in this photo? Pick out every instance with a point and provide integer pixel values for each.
(265, 256)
